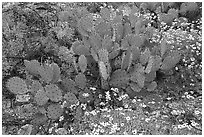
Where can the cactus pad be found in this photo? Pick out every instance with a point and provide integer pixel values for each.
(82, 50)
(69, 85)
(138, 75)
(32, 66)
(36, 85)
(171, 60)
(56, 73)
(46, 72)
(17, 85)
(82, 63)
(53, 92)
(152, 86)
(70, 97)
(103, 55)
(126, 60)
(80, 80)
(103, 70)
(54, 111)
(39, 119)
(119, 78)
(144, 57)
(134, 86)
(41, 97)
(150, 76)
(79, 113)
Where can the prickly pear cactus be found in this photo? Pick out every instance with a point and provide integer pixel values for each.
(32, 66)
(105, 14)
(163, 47)
(82, 50)
(82, 63)
(80, 80)
(157, 63)
(150, 76)
(69, 85)
(36, 85)
(171, 60)
(79, 113)
(144, 57)
(41, 97)
(94, 54)
(85, 96)
(56, 73)
(65, 54)
(46, 72)
(150, 64)
(53, 92)
(135, 53)
(119, 78)
(126, 60)
(118, 27)
(152, 86)
(42, 110)
(54, 111)
(136, 41)
(17, 85)
(103, 70)
(70, 97)
(103, 55)
(138, 75)
(134, 86)
(39, 119)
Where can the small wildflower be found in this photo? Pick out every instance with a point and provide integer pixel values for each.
(61, 118)
(122, 124)
(197, 112)
(128, 118)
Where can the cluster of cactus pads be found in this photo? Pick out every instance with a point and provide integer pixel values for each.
(107, 35)
(104, 38)
(50, 73)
